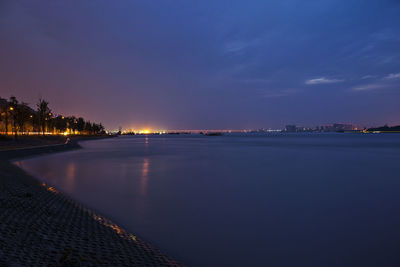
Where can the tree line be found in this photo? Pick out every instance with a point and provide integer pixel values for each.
(385, 128)
(19, 118)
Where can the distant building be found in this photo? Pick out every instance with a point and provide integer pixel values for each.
(327, 128)
(343, 127)
(291, 128)
(336, 127)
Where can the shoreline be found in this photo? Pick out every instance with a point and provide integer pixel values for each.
(39, 225)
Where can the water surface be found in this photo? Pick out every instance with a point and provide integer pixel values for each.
(275, 200)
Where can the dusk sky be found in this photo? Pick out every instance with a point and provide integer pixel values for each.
(178, 64)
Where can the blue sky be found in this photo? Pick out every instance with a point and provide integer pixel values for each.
(179, 64)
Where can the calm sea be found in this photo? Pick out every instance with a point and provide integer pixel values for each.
(255, 200)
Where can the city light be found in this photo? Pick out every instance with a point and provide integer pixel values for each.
(145, 131)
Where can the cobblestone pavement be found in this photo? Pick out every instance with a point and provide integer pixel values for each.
(40, 226)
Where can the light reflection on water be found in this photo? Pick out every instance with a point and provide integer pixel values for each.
(294, 200)
(70, 176)
(144, 178)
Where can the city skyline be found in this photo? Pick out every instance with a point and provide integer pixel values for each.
(206, 65)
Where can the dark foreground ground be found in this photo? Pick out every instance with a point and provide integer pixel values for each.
(9, 142)
(40, 226)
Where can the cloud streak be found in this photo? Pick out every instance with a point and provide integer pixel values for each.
(388, 81)
(368, 77)
(393, 76)
(322, 80)
(369, 87)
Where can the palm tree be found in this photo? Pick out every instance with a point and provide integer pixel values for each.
(80, 124)
(23, 118)
(101, 129)
(97, 128)
(4, 112)
(71, 123)
(88, 127)
(14, 111)
(60, 123)
(43, 112)
(23, 112)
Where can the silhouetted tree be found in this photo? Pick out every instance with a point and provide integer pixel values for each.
(101, 129)
(95, 128)
(60, 123)
(80, 125)
(43, 112)
(22, 118)
(71, 122)
(4, 113)
(88, 127)
(14, 111)
(22, 115)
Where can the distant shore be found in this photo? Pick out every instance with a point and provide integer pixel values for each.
(40, 226)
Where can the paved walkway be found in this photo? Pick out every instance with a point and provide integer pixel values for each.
(40, 226)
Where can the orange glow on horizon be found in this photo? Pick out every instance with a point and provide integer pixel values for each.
(144, 131)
